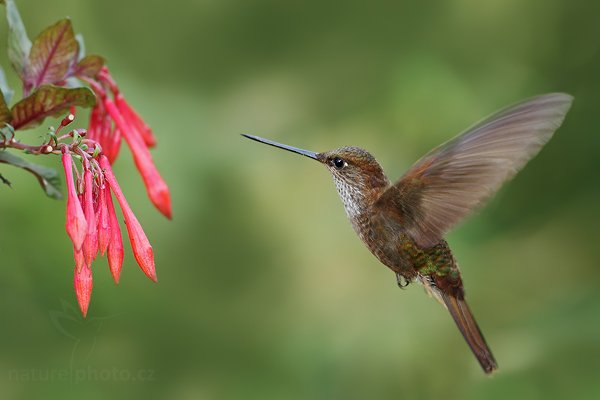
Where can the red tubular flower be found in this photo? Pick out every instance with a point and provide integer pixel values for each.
(76, 224)
(102, 130)
(94, 127)
(83, 287)
(130, 115)
(79, 259)
(90, 245)
(115, 246)
(113, 141)
(156, 187)
(104, 235)
(142, 250)
(56, 77)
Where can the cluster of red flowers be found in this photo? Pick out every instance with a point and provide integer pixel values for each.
(113, 119)
(91, 222)
(47, 67)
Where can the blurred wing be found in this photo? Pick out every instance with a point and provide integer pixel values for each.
(450, 181)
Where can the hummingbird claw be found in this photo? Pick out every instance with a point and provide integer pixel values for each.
(402, 281)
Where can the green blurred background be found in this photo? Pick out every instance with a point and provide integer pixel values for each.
(264, 291)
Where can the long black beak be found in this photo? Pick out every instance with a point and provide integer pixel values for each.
(310, 154)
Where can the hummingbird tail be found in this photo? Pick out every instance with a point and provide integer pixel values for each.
(470, 330)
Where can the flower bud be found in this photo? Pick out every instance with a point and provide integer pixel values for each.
(103, 220)
(142, 250)
(90, 245)
(82, 282)
(76, 224)
(115, 246)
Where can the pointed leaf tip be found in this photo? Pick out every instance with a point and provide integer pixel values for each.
(89, 66)
(53, 54)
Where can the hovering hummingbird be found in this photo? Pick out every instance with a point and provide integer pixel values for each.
(403, 224)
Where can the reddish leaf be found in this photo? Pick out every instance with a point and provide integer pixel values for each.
(49, 100)
(19, 44)
(53, 54)
(89, 66)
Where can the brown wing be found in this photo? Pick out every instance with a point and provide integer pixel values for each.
(450, 181)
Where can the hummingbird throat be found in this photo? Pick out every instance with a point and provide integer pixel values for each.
(353, 198)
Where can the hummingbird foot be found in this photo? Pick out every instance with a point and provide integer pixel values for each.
(402, 281)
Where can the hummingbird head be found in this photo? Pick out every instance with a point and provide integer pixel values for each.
(358, 177)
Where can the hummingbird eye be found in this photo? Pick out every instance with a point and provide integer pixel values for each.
(339, 163)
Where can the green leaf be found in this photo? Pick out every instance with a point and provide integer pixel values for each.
(47, 177)
(4, 88)
(48, 101)
(19, 44)
(53, 55)
(5, 115)
(89, 66)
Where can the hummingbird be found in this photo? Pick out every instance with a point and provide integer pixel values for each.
(403, 223)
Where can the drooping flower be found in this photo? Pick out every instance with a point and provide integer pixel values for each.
(115, 245)
(79, 258)
(104, 233)
(49, 68)
(135, 120)
(90, 245)
(142, 250)
(96, 222)
(157, 189)
(114, 118)
(92, 223)
(82, 281)
(76, 224)
(95, 124)
(104, 131)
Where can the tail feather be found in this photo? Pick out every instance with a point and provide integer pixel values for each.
(470, 330)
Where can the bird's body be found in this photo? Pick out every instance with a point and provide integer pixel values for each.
(386, 236)
(403, 223)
